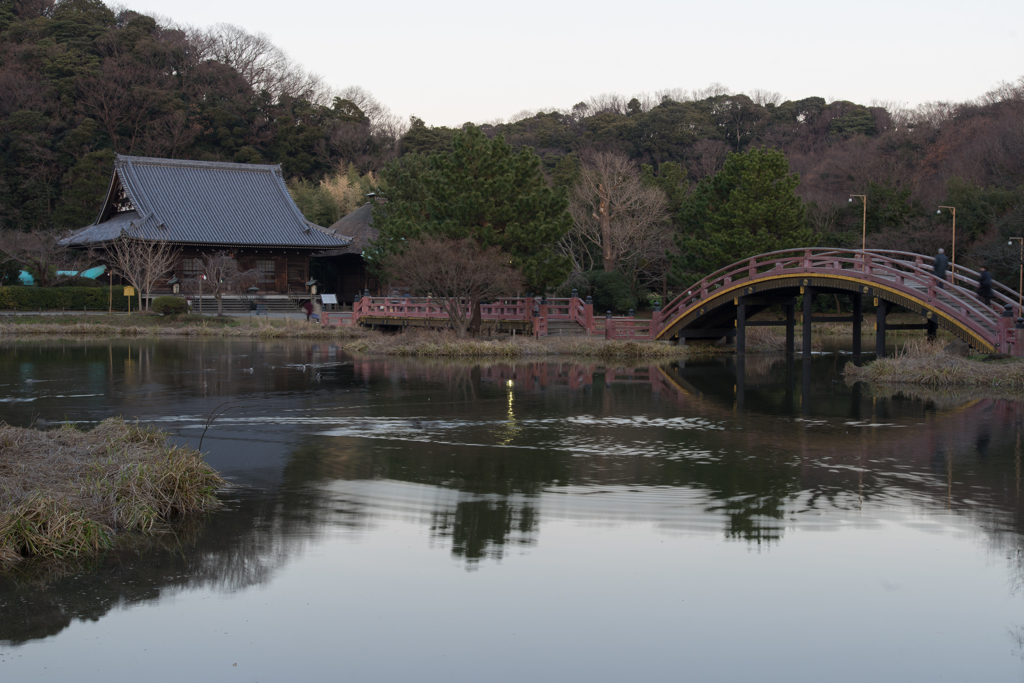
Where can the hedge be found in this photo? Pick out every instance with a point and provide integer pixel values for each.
(169, 305)
(20, 298)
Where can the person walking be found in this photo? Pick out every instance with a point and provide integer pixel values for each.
(985, 286)
(939, 266)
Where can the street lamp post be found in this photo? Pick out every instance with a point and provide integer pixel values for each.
(1020, 286)
(952, 260)
(864, 225)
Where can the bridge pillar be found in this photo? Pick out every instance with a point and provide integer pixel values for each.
(805, 387)
(880, 329)
(808, 303)
(790, 328)
(858, 308)
(741, 326)
(741, 380)
(932, 330)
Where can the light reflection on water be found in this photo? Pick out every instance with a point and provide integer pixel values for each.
(564, 520)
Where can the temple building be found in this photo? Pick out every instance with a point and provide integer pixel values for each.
(205, 207)
(344, 270)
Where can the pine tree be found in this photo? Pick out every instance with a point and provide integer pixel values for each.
(750, 207)
(482, 190)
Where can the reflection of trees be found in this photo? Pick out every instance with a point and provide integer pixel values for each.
(481, 528)
(482, 481)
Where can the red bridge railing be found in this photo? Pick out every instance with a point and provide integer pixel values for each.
(536, 313)
(901, 271)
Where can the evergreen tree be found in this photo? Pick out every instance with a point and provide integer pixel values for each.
(482, 190)
(750, 207)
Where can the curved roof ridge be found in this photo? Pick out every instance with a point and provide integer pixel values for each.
(194, 163)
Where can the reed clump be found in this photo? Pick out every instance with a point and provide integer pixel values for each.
(444, 344)
(929, 364)
(595, 347)
(66, 493)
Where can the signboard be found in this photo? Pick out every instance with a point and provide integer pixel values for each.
(129, 291)
(329, 299)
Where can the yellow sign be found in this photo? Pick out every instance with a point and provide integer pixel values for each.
(129, 291)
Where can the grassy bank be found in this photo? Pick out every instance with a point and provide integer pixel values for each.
(427, 343)
(928, 364)
(65, 493)
(169, 326)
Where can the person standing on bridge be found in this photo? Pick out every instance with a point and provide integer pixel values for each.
(939, 266)
(985, 286)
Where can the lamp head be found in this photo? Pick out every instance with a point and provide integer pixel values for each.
(939, 211)
(850, 200)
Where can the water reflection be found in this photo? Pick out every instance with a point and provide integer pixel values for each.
(483, 457)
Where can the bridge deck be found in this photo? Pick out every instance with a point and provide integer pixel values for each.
(900, 278)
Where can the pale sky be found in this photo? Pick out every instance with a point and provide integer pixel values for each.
(451, 61)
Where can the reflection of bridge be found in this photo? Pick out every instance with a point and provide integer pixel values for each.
(722, 304)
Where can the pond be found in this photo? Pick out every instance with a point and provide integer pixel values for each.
(438, 521)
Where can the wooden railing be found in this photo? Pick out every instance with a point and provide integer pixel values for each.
(535, 313)
(903, 272)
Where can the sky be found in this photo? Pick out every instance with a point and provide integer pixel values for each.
(450, 61)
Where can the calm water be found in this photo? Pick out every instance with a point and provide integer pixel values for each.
(430, 521)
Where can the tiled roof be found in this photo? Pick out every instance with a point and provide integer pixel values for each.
(357, 225)
(203, 202)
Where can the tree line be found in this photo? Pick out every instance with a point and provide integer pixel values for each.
(657, 189)
(80, 82)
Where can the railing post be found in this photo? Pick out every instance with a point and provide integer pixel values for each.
(1004, 331)
(609, 326)
(655, 321)
(590, 315)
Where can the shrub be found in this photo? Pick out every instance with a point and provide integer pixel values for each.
(61, 298)
(611, 291)
(169, 305)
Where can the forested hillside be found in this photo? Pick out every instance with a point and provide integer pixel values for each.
(969, 155)
(79, 82)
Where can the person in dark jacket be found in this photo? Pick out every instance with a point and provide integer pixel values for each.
(939, 268)
(985, 286)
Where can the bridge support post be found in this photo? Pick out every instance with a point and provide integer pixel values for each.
(741, 326)
(805, 388)
(880, 329)
(808, 303)
(932, 330)
(858, 314)
(790, 328)
(741, 380)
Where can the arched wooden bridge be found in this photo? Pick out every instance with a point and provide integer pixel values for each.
(722, 304)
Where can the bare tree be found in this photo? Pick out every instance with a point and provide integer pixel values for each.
(45, 252)
(263, 65)
(223, 275)
(762, 97)
(707, 157)
(141, 263)
(457, 273)
(616, 213)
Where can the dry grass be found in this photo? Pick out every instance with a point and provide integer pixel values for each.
(259, 328)
(773, 339)
(922, 363)
(66, 493)
(442, 344)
